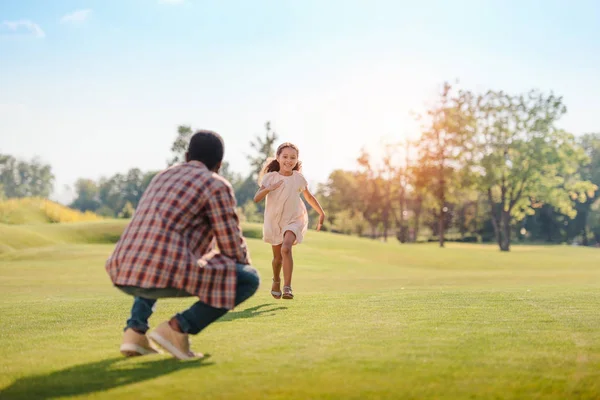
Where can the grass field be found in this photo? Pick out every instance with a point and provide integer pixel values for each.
(370, 321)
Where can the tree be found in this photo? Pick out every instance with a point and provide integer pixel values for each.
(133, 186)
(127, 211)
(590, 172)
(20, 178)
(246, 190)
(594, 221)
(264, 148)
(251, 213)
(445, 134)
(370, 194)
(521, 160)
(232, 177)
(339, 194)
(402, 179)
(87, 195)
(110, 192)
(147, 178)
(386, 175)
(180, 144)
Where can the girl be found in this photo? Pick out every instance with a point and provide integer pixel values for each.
(286, 219)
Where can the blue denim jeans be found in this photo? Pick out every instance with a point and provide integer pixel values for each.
(199, 315)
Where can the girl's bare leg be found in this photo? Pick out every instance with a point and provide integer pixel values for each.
(286, 254)
(276, 264)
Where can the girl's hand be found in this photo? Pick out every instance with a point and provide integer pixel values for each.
(321, 220)
(274, 186)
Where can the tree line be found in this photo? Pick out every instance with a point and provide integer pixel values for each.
(491, 167)
(486, 167)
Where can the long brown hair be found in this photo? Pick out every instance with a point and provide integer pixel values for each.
(272, 165)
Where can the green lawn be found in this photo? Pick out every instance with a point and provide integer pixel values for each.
(370, 321)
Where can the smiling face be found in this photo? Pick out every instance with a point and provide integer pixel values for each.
(288, 159)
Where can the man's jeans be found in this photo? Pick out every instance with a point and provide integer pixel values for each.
(199, 315)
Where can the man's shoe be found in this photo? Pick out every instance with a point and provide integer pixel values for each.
(176, 343)
(136, 344)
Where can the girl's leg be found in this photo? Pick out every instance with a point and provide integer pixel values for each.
(288, 262)
(276, 264)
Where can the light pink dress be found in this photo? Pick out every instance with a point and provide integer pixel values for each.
(284, 209)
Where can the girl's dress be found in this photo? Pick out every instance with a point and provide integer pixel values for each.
(284, 209)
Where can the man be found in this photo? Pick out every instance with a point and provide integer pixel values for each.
(168, 250)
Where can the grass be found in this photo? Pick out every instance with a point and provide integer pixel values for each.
(370, 320)
(33, 210)
(36, 235)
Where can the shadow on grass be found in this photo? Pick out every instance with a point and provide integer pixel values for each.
(251, 312)
(93, 377)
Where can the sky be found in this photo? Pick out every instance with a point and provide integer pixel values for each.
(95, 88)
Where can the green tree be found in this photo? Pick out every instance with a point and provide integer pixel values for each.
(127, 211)
(87, 195)
(339, 194)
(180, 144)
(521, 160)
(251, 212)
(232, 177)
(110, 192)
(264, 148)
(402, 179)
(593, 221)
(20, 178)
(133, 186)
(147, 178)
(371, 195)
(591, 172)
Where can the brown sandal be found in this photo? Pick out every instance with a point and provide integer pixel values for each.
(287, 293)
(276, 295)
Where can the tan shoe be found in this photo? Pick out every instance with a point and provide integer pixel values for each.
(136, 344)
(176, 343)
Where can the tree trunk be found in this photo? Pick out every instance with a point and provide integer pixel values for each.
(505, 232)
(373, 230)
(496, 223)
(462, 221)
(441, 226)
(385, 227)
(584, 231)
(418, 206)
(401, 224)
(442, 204)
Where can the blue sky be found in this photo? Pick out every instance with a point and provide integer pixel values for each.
(98, 87)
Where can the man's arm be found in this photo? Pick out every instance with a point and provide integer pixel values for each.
(226, 226)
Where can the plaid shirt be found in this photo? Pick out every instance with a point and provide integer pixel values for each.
(170, 242)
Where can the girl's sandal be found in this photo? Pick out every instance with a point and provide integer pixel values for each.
(287, 293)
(276, 295)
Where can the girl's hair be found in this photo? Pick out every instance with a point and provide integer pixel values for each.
(272, 165)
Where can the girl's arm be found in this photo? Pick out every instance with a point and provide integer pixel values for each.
(264, 190)
(314, 203)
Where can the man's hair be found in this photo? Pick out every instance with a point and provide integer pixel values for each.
(206, 147)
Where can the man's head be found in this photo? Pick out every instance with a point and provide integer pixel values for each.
(206, 147)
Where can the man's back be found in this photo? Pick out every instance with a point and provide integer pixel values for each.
(169, 241)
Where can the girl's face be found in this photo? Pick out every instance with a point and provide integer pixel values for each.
(288, 158)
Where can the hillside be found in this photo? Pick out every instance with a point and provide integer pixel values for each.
(40, 211)
(32, 235)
